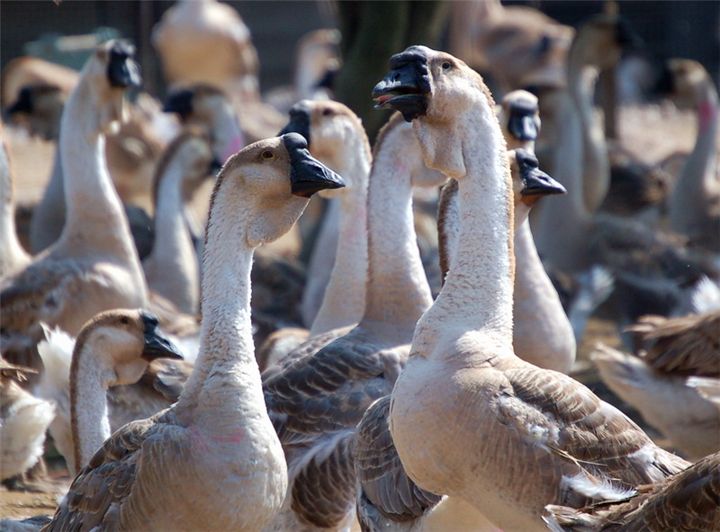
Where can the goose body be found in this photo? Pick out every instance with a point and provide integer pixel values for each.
(94, 266)
(216, 445)
(23, 422)
(316, 400)
(685, 501)
(662, 383)
(466, 413)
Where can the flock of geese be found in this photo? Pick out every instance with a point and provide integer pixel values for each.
(415, 376)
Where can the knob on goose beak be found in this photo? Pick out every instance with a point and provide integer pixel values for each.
(521, 122)
(156, 344)
(535, 181)
(407, 86)
(299, 121)
(307, 174)
(122, 70)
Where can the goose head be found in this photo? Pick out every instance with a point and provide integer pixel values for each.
(110, 71)
(273, 180)
(529, 183)
(38, 107)
(437, 92)
(190, 150)
(602, 39)
(683, 80)
(333, 133)
(125, 341)
(202, 105)
(520, 119)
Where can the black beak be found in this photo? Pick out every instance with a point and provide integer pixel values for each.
(156, 345)
(307, 174)
(180, 102)
(23, 104)
(407, 86)
(328, 79)
(535, 181)
(665, 83)
(122, 70)
(522, 127)
(215, 166)
(299, 121)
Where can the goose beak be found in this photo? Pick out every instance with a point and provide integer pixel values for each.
(156, 345)
(307, 174)
(522, 126)
(536, 183)
(180, 102)
(122, 70)
(407, 86)
(23, 104)
(299, 121)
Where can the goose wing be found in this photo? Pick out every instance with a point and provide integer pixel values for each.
(600, 451)
(683, 346)
(387, 495)
(113, 482)
(689, 500)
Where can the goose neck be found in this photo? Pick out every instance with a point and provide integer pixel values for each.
(228, 136)
(89, 382)
(397, 289)
(8, 237)
(94, 211)
(344, 300)
(225, 373)
(702, 160)
(478, 290)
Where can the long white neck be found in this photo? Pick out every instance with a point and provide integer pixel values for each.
(562, 221)
(344, 300)
(225, 385)
(322, 262)
(582, 79)
(89, 381)
(699, 176)
(49, 216)
(13, 254)
(95, 214)
(478, 290)
(397, 289)
(172, 268)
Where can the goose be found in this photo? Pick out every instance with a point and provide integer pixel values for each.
(316, 400)
(216, 445)
(519, 45)
(171, 268)
(686, 501)
(38, 107)
(542, 333)
(388, 498)
(27, 71)
(23, 421)
(94, 266)
(336, 137)
(662, 383)
(467, 414)
(14, 257)
(694, 204)
(131, 154)
(113, 349)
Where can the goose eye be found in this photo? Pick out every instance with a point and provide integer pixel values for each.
(267, 155)
(124, 320)
(327, 112)
(446, 65)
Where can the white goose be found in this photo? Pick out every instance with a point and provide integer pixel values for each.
(466, 414)
(216, 446)
(94, 266)
(542, 334)
(316, 401)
